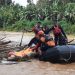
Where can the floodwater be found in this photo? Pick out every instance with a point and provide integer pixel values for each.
(35, 67)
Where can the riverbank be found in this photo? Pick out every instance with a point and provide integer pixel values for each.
(29, 33)
(16, 36)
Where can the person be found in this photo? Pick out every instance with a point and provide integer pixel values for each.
(45, 42)
(25, 53)
(59, 35)
(46, 30)
(34, 40)
(35, 29)
(29, 51)
(37, 26)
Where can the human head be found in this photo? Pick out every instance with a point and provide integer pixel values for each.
(46, 26)
(34, 30)
(41, 36)
(38, 24)
(40, 33)
(56, 24)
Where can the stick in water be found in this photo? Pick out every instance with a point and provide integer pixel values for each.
(21, 38)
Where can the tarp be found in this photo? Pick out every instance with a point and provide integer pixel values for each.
(23, 52)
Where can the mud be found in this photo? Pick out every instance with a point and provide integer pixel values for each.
(35, 67)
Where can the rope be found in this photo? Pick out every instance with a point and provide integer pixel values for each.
(65, 59)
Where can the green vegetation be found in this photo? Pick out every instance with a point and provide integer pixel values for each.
(16, 18)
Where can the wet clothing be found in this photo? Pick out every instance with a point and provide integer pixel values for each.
(60, 40)
(34, 40)
(59, 31)
(44, 46)
(49, 43)
(46, 30)
(36, 28)
(59, 35)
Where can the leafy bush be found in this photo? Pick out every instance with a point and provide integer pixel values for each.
(16, 18)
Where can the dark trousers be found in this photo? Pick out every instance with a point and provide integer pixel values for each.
(60, 40)
(34, 40)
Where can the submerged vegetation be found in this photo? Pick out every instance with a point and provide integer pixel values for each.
(16, 18)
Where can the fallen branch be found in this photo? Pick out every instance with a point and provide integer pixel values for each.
(2, 43)
(2, 38)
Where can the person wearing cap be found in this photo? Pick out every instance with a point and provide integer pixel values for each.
(59, 35)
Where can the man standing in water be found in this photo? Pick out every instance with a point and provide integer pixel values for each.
(35, 29)
(59, 35)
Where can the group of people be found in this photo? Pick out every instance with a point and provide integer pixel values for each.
(42, 41)
(60, 37)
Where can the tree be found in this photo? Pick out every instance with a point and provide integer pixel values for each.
(30, 1)
(4, 2)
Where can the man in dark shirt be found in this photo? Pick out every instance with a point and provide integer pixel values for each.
(46, 30)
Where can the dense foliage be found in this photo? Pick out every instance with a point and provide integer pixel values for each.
(16, 18)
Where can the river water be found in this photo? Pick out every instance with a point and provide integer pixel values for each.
(34, 67)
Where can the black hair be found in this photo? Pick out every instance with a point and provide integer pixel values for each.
(39, 22)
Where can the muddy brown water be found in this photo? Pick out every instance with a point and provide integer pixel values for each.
(35, 67)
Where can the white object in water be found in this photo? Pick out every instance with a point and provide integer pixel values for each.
(8, 62)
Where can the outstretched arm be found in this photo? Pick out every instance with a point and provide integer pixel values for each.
(36, 47)
(50, 29)
(63, 32)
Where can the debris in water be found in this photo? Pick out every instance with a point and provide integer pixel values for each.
(8, 62)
